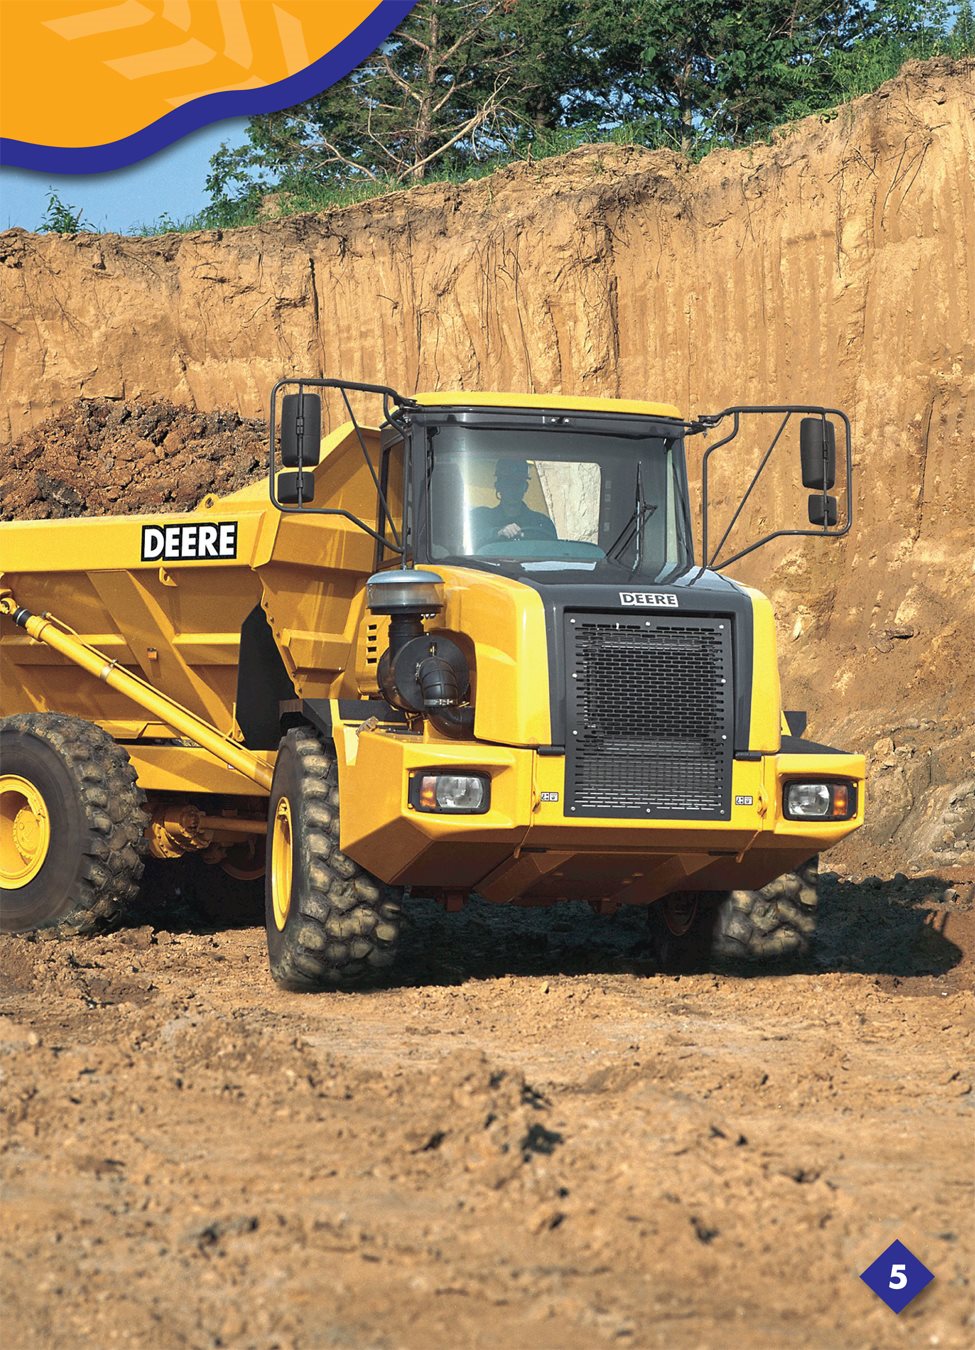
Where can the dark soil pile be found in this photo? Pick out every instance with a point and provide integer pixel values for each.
(106, 457)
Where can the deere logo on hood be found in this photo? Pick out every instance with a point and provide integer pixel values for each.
(648, 598)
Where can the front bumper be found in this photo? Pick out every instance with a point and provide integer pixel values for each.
(526, 848)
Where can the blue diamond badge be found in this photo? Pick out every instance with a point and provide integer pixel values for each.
(897, 1276)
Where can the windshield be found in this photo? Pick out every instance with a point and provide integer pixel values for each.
(546, 498)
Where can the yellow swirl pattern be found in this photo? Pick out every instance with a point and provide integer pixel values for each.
(83, 74)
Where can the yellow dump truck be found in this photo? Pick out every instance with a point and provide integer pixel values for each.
(465, 649)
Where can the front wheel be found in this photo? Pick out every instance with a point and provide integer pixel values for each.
(692, 931)
(329, 922)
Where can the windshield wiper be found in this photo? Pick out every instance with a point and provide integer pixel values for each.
(641, 513)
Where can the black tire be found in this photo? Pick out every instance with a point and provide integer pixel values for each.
(340, 925)
(770, 926)
(224, 901)
(688, 952)
(97, 820)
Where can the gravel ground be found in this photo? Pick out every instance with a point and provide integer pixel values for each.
(530, 1138)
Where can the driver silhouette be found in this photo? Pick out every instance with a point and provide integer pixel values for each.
(511, 518)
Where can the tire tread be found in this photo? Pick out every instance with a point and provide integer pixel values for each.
(343, 925)
(769, 926)
(114, 809)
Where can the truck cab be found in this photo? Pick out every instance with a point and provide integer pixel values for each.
(614, 715)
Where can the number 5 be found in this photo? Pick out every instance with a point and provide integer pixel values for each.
(898, 1279)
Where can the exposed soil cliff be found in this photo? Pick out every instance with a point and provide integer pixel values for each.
(833, 266)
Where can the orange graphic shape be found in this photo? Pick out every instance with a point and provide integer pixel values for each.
(93, 71)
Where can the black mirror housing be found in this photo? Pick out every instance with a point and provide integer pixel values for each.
(822, 510)
(817, 449)
(301, 431)
(296, 489)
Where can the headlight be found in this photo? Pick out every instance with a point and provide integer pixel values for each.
(451, 793)
(819, 801)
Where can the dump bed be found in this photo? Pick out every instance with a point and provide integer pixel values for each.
(168, 596)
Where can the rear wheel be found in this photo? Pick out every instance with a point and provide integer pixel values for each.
(329, 922)
(72, 823)
(681, 931)
(693, 930)
(229, 893)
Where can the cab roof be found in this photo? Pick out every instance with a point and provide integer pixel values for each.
(459, 398)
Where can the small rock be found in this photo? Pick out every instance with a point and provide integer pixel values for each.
(139, 938)
(13, 1034)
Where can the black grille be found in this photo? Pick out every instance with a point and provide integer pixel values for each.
(649, 705)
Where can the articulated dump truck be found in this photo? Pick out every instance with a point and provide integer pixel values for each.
(467, 649)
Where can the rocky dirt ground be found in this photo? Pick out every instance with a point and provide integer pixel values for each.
(530, 1139)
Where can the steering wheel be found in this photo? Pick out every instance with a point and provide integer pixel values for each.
(529, 532)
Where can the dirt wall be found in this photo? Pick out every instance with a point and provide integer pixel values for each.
(833, 266)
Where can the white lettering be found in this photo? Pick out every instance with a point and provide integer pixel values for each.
(227, 547)
(172, 541)
(179, 542)
(648, 598)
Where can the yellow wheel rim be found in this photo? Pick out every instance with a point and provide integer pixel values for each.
(25, 831)
(281, 867)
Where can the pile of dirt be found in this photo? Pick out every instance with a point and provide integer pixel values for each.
(103, 456)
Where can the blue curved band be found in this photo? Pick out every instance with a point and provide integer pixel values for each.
(304, 84)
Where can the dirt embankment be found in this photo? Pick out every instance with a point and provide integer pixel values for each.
(833, 266)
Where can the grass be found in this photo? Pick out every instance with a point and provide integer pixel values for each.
(264, 204)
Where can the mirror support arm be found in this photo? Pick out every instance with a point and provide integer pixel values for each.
(393, 406)
(706, 422)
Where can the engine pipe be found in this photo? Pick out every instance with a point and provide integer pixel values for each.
(418, 672)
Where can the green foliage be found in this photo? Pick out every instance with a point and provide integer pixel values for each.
(712, 72)
(962, 39)
(465, 86)
(59, 218)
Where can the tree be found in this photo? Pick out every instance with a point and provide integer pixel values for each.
(437, 85)
(706, 72)
(459, 82)
(962, 41)
(464, 81)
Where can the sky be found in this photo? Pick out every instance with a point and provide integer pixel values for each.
(168, 183)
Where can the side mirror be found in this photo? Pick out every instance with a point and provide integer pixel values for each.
(301, 432)
(298, 489)
(822, 509)
(817, 449)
